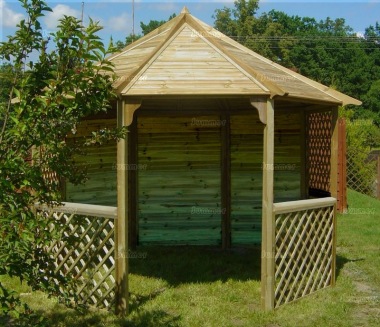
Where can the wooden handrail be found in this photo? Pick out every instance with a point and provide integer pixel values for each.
(82, 209)
(292, 206)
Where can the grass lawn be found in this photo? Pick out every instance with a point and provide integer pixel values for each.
(203, 286)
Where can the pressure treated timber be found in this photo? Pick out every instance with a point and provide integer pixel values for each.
(303, 159)
(121, 225)
(342, 167)
(85, 250)
(99, 162)
(246, 177)
(129, 110)
(259, 103)
(268, 228)
(188, 57)
(319, 129)
(179, 184)
(334, 153)
(226, 181)
(305, 240)
(133, 185)
(292, 206)
(83, 209)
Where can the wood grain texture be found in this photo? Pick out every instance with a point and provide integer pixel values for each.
(188, 57)
(179, 184)
(101, 167)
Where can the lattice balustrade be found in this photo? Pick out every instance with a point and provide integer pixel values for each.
(304, 251)
(89, 256)
(362, 171)
(318, 146)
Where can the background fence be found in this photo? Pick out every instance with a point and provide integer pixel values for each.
(363, 172)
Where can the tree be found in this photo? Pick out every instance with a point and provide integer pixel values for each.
(44, 101)
(6, 73)
(238, 22)
(146, 29)
(153, 24)
(327, 51)
(119, 45)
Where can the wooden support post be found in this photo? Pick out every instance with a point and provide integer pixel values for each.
(304, 192)
(133, 173)
(334, 243)
(342, 167)
(125, 111)
(334, 182)
(226, 181)
(334, 153)
(121, 224)
(268, 226)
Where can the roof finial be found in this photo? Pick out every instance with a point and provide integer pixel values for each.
(185, 10)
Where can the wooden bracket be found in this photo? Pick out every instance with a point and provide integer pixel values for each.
(130, 106)
(260, 104)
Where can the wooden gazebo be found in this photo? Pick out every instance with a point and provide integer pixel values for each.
(224, 147)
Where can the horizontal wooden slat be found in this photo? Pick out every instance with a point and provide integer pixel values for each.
(291, 206)
(179, 192)
(82, 209)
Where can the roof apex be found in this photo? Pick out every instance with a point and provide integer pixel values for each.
(185, 10)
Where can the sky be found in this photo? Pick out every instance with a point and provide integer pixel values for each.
(116, 16)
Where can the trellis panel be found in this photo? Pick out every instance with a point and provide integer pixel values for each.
(89, 258)
(318, 147)
(304, 248)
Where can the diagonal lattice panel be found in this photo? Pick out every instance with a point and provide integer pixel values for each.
(86, 253)
(303, 253)
(318, 146)
(361, 171)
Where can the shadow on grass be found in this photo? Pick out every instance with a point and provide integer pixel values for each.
(186, 264)
(341, 261)
(153, 318)
(175, 265)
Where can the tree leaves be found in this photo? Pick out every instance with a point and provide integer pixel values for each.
(48, 100)
(327, 51)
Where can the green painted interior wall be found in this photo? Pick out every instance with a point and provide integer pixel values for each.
(179, 181)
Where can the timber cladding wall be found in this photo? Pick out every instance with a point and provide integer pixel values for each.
(100, 163)
(179, 192)
(179, 185)
(179, 172)
(246, 170)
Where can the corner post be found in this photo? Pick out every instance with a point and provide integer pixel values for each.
(121, 225)
(334, 153)
(125, 111)
(268, 224)
(334, 183)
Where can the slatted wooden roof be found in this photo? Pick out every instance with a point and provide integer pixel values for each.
(186, 56)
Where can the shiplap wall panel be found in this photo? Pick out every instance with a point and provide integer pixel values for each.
(179, 180)
(246, 178)
(246, 170)
(100, 163)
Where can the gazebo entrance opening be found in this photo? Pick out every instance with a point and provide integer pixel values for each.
(200, 167)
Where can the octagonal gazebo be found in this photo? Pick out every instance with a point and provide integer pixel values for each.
(224, 147)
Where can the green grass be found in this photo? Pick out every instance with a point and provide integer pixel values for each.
(203, 286)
